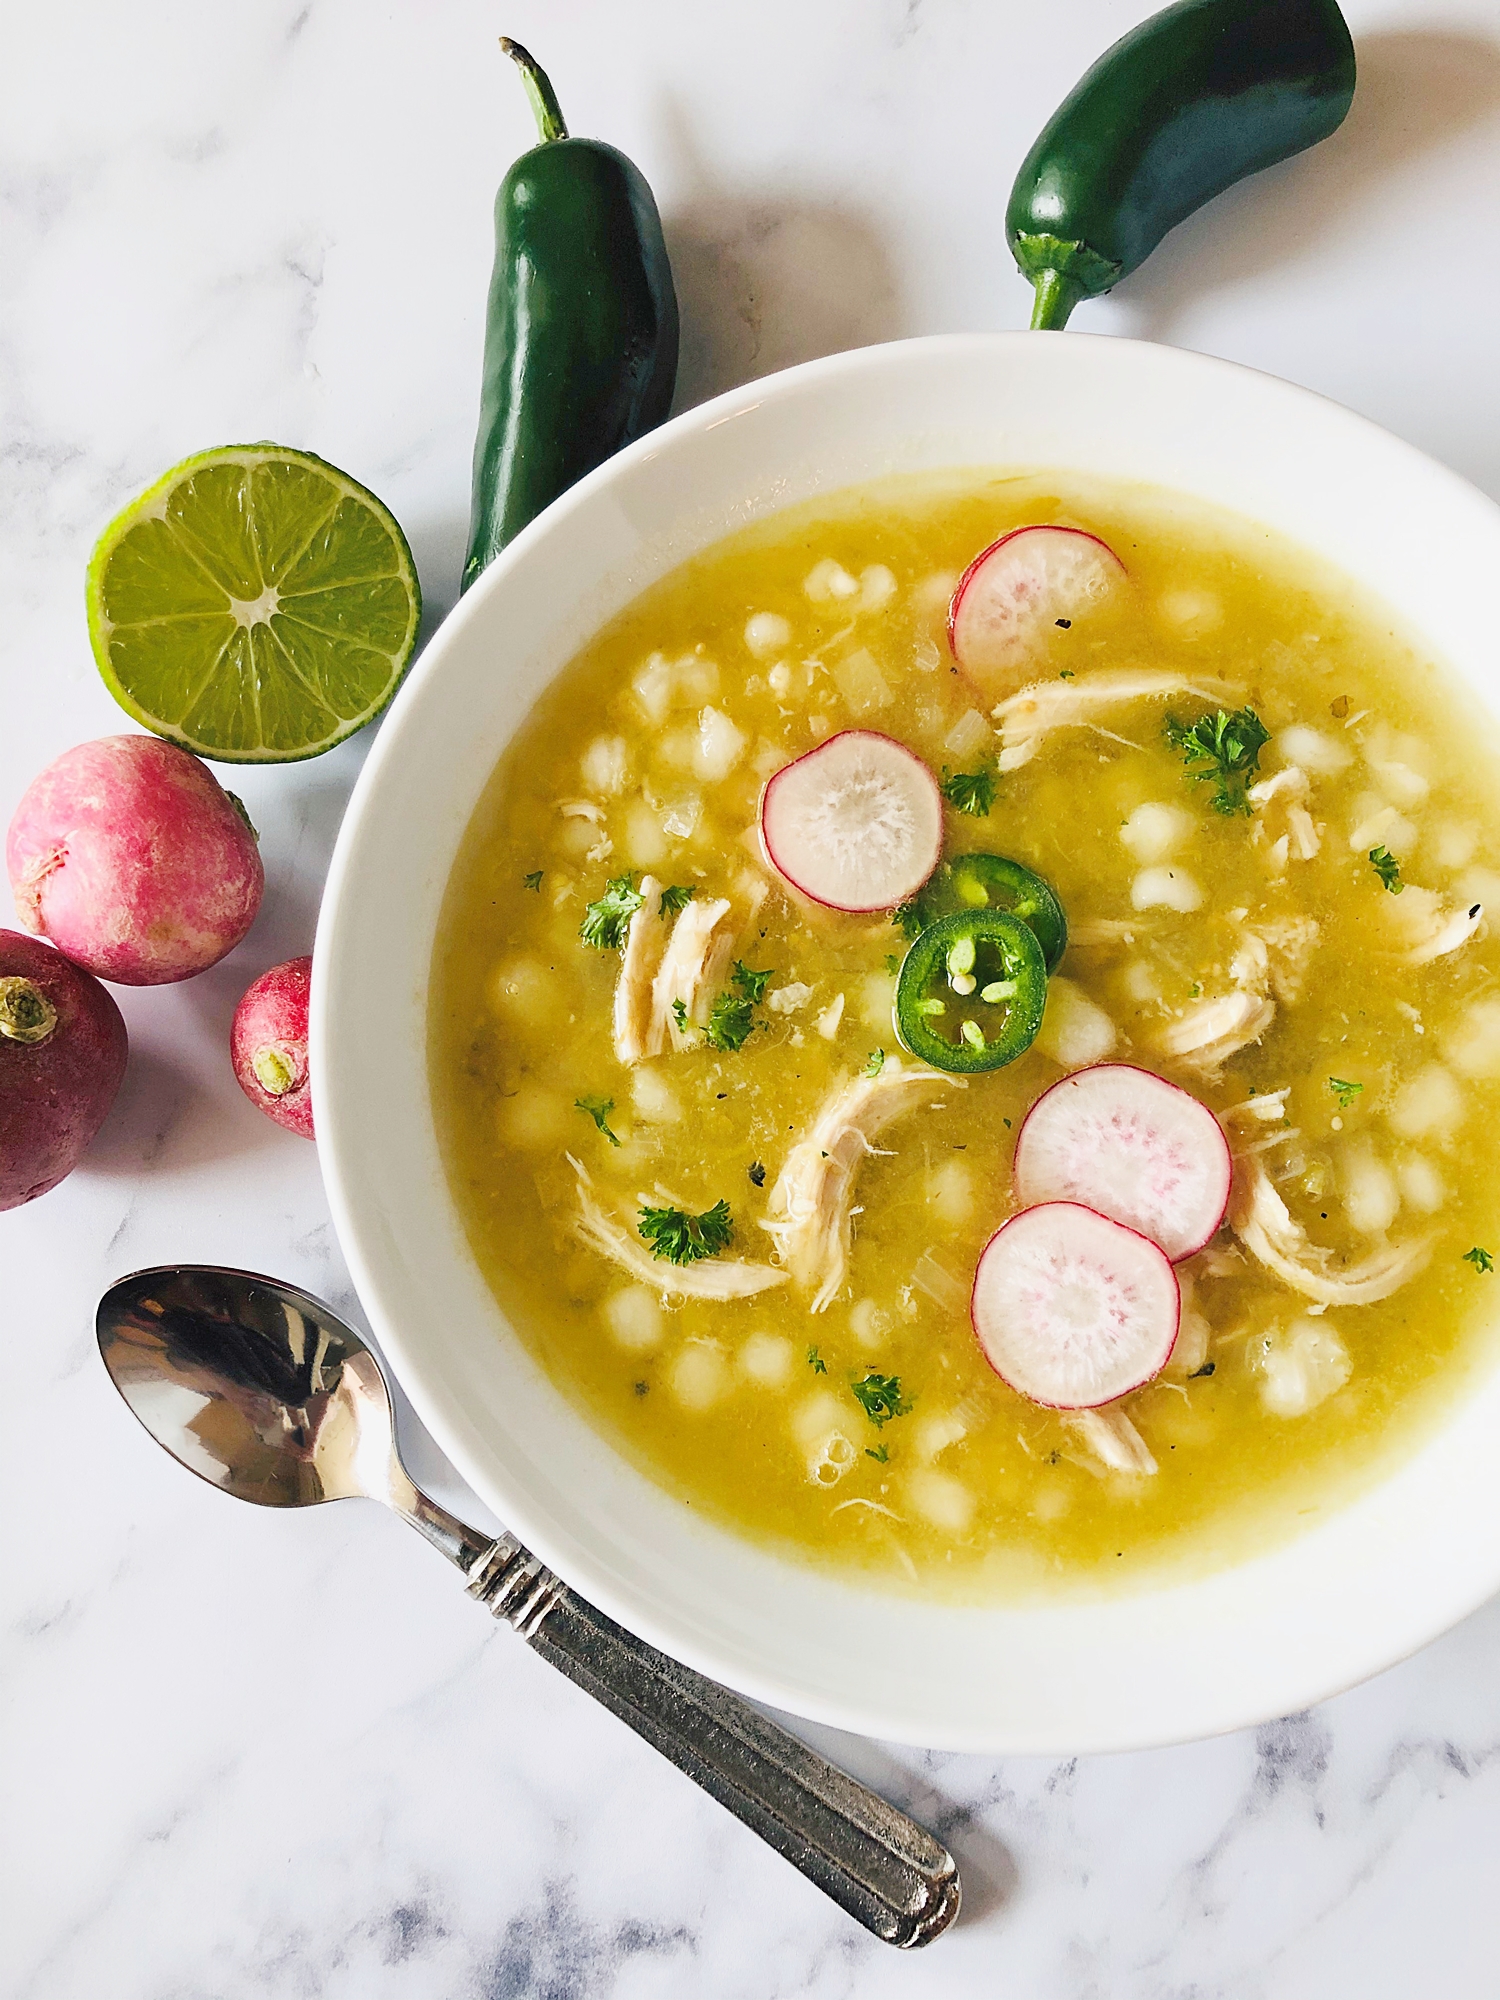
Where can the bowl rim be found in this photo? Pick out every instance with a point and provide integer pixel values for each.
(438, 1402)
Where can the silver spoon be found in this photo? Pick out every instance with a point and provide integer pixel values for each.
(259, 1389)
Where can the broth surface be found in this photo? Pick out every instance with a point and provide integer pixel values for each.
(648, 754)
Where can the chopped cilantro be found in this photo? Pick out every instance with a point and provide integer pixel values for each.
(1067, 673)
(816, 1362)
(880, 1397)
(879, 1452)
(534, 879)
(675, 900)
(598, 1108)
(971, 792)
(605, 921)
(682, 1238)
(1222, 749)
(1344, 1092)
(757, 1173)
(732, 1016)
(1388, 868)
(892, 963)
(679, 1015)
(752, 984)
(876, 1062)
(1480, 1259)
(1207, 1369)
(909, 917)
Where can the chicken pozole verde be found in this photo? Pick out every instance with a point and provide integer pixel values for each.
(828, 860)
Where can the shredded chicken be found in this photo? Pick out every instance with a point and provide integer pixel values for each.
(1428, 928)
(1028, 718)
(1263, 1109)
(712, 1278)
(1210, 1031)
(692, 970)
(1106, 933)
(1289, 943)
(1264, 1224)
(1270, 956)
(809, 1214)
(1110, 1438)
(645, 941)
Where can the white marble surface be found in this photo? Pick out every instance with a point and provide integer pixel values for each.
(246, 1755)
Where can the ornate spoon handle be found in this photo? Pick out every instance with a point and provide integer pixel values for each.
(874, 1862)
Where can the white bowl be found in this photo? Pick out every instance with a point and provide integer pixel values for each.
(1369, 1582)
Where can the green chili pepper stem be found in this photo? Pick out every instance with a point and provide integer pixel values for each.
(1056, 296)
(550, 123)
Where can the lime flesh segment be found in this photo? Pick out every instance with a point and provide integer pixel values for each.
(256, 605)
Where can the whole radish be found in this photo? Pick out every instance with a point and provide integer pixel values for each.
(268, 1045)
(131, 857)
(62, 1055)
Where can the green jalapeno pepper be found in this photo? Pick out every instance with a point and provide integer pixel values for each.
(990, 881)
(971, 992)
(580, 351)
(1185, 105)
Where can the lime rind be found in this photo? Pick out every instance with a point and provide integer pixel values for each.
(184, 628)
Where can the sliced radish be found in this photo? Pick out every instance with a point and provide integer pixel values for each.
(1032, 582)
(1072, 1309)
(1132, 1146)
(856, 824)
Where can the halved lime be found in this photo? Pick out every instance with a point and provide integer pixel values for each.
(256, 605)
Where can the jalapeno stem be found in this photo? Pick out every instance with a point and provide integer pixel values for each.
(1056, 296)
(550, 123)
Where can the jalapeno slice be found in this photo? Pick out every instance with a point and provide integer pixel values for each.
(990, 881)
(971, 991)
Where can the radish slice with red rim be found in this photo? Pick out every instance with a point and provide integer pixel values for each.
(1072, 1309)
(1032, 583)
(856, 824)
(1132, 1146)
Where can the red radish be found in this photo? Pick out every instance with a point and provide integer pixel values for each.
(1072, 1309)
(62, 1055)
(129, 855)
(268, 1045)
(1132, 1146)
(1029, 584)
(856, 824)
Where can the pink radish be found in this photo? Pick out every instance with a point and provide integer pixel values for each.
(1072, 1309)
(62, 1055)
(131, 857)
(1030, 584)
(856, 824)
(268, 1045)
(1132, 1146)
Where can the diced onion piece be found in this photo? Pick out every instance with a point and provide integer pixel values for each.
(1019, 591)
(1071, 1309)
(856, 824)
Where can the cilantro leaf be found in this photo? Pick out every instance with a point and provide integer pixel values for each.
(1480, 1259)
(757, 1173)
(679, 1015)
(533, 880)
(876, 1063)
(880, 1397)
(731, 1019)
(1222, 749)
(605, 921)
(816, 1362)
(1388, 868)
(675, 900)
(598, 1108)
(971, 792)
(881, 1453)
(682, 1238)
(1344, 1092)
